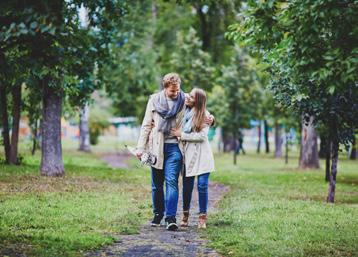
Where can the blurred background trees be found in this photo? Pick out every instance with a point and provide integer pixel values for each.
(311, 48)
(276, 66)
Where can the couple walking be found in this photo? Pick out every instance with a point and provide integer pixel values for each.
(174, 129)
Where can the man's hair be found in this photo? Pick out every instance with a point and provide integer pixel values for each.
(171, 79)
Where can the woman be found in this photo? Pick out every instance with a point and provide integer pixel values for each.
(198, 157)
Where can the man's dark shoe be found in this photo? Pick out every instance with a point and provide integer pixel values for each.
(171, 223)
(156, 220)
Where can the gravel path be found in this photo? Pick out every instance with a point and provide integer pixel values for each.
(157, 241)
(116, 160)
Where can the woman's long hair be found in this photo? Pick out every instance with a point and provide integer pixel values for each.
(199, 108)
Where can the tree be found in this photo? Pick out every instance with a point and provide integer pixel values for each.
(5, 122)
(309, 148)
(353, 154)
(84, 136)
(55, 46)
(266, 132)
(193, 64)
(242, 91)
(132, 72)
(211, 19)
(13, 72)
(33, 107)
(311, 48)
(157, 37)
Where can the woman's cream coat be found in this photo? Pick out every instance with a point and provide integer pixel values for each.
(198, 156)
(150, 138)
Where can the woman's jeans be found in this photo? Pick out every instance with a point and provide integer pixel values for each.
(188, 185)
(172, 165)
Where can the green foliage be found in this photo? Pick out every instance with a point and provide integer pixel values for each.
(218, 105)
(32, 107)
(98, 121)
(157, 37)
(193, 64)
(131, 74)
(170, 19)
(47, 41)
(211, 19)
(311, 47)
(236, 103)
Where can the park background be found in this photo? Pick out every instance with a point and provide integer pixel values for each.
(281, 80)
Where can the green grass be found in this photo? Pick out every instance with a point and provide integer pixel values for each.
(42, 216)
(274, 209)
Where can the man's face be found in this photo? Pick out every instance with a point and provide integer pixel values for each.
(172, 91)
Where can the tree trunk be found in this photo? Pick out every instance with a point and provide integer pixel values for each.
(328, 158)
(84, 130)
(259, 135)
(154, 22)
(333, 174)
(309, 150)
(205, 28)
(353, 154)
(5, 122)
(278, 141)
(16, 113)
(266, 133)
(34, 130)
(322, 147)
(154, 11)
(221, 140)
(51, 159)
(235, 147)
(286, 148)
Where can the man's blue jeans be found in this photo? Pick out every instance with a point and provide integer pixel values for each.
(172, 165)
(188, 185)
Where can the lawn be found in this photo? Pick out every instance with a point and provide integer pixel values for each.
(42, 216)
(274, 209)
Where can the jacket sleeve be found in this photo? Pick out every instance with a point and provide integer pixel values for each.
(146, 127)
(195, 136)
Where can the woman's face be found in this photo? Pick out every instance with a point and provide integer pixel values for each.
(190, 99)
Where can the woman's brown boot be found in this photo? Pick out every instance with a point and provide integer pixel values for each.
(185, 219)
(202, 221)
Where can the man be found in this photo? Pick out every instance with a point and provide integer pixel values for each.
(165, 110)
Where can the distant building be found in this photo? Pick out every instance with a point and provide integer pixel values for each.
(127, 128)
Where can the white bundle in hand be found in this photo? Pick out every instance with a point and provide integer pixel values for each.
(147, 158)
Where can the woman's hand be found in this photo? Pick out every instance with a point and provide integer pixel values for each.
(175, 132)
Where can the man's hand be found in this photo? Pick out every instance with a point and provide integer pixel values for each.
(139, 154)
(175, 132)
(209, 120)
